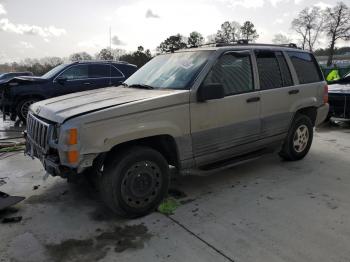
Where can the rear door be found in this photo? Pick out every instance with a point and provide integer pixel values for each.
(99, 76)
(224, 127)
(276, 87)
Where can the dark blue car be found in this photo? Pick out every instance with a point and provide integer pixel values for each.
(8, 76)
(17, 94)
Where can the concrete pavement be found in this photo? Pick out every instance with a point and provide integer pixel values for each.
(266, 210)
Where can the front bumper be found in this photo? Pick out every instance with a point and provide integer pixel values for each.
(50, 162)
(322, 113)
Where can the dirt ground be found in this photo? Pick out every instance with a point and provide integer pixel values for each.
(266, 210)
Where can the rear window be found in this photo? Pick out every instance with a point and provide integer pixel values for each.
(116, 72)
(306, 67)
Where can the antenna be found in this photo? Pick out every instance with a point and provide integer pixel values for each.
(110, 38)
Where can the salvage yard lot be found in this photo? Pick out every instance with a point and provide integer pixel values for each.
(265, 210)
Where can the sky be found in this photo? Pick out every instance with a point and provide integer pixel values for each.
(40, 28)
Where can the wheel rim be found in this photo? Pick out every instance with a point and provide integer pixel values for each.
(301, 138)
(25, 107)
(141, 184)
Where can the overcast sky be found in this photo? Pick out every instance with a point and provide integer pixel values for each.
(39, 28)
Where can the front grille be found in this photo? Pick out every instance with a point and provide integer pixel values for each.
(38, 132)
(339, 105)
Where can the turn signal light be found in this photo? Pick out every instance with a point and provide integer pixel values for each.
(72, 136)
(73, 156)
(325, 94)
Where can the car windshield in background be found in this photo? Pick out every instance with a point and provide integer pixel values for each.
(170, 71)
(53, 71)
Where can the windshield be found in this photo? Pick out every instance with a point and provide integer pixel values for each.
(53, 71)
(174, 71)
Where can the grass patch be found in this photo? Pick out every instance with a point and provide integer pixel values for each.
(11, 149)
(168, 206)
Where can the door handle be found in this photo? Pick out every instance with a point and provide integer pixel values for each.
(293, 92)
(87, 83)
(253, 99)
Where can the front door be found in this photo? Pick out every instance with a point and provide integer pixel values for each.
(225, 127)
(76, 79)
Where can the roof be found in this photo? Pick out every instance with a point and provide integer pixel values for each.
(244, 46)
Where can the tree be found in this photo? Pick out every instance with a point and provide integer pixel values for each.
(308, 25)
(172, 43)
(139, 57)
(105, 54)
(337, 26)
(195, 39)
(281, 39)
(229, 32)
(80, 56)
(248, 31)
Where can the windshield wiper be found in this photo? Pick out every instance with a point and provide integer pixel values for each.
(142, 86)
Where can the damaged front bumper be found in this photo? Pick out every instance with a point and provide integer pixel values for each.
(50, 162)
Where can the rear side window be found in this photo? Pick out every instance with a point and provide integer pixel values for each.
(269, 71)
(234, 72)
(306, 67)
(99, 71)
(116, 72)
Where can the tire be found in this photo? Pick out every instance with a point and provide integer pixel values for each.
(135, 181)
(299, 139)
(23, 107)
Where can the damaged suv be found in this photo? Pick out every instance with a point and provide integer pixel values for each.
(197, 110)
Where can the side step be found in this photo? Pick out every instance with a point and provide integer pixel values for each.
(226, 164)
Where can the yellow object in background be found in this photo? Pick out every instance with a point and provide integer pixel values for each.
(333, 75)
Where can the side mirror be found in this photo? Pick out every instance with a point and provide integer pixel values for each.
(210, 92)
(61, 79)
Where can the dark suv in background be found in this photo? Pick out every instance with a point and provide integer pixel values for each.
(8, 76)
(17, 94)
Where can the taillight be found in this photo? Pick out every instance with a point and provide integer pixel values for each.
(325, 94)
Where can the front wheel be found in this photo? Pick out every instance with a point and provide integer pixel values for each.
(135, 181)
(23, 107)
(299, 139)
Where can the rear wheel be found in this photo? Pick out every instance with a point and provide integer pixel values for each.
(299, 139)
(134, 182)
(23, 107)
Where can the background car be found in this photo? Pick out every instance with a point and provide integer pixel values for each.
(8, 76)
(339, 98)
(19, 93)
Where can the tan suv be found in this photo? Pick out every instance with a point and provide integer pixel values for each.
(196, 109)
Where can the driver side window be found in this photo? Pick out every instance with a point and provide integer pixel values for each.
(76, 72)
(233, 72)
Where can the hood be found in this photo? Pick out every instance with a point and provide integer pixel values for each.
(60, 108)
(339, 89)
(23, 80)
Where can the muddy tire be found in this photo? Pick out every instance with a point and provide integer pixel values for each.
(135, 181)
(23, 107)
(299, 139)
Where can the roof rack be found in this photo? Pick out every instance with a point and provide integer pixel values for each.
(100, 61)
(243, 42)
